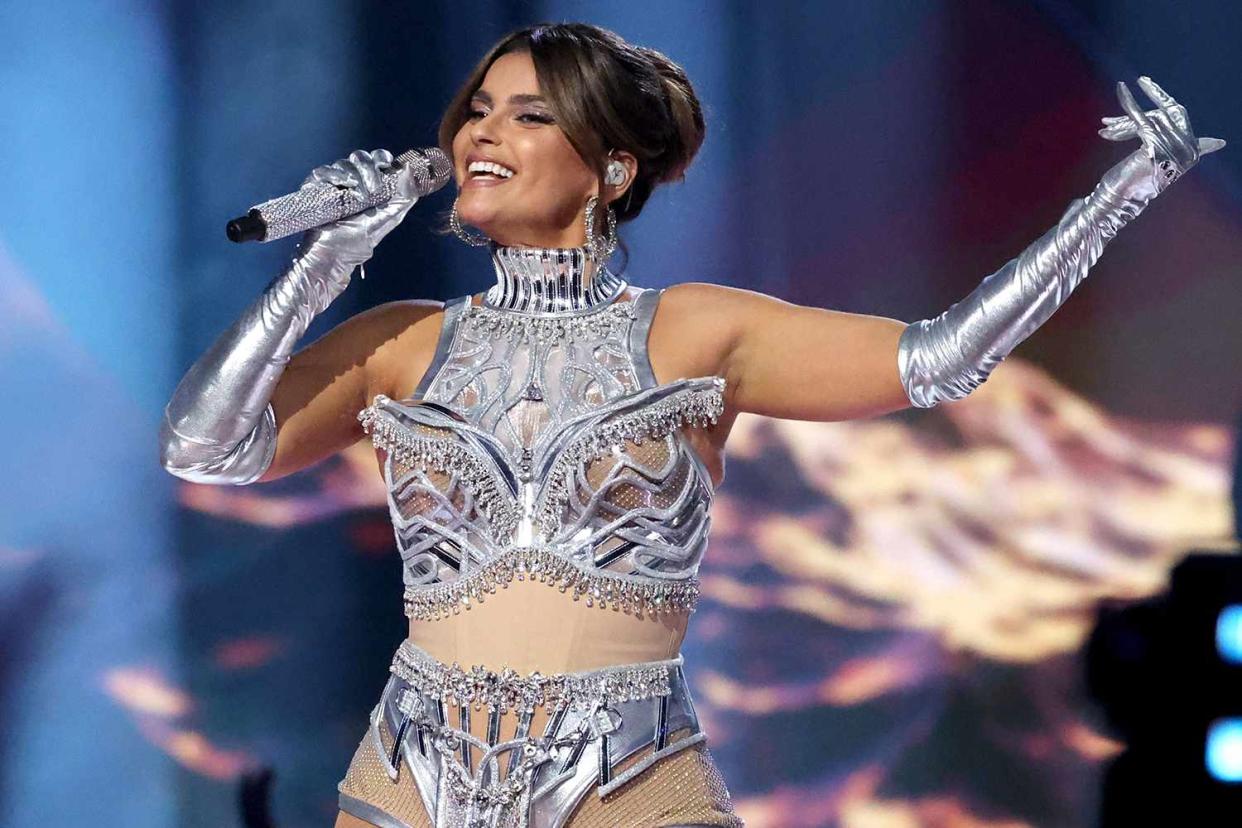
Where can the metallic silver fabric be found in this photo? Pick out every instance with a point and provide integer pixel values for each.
(948, 357)
(550, 280)
(542, 448)
(219, 426)
(598, 719)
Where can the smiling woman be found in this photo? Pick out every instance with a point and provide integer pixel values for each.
(551, 447)
(637, 103)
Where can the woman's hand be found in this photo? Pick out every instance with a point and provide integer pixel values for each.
(1168, 140)
(236, 416)
(352, 240)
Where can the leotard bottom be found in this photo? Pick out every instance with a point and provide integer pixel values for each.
(620, 747)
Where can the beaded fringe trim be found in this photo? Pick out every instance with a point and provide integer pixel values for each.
(442, 455)
(498, 324)
(543, 564)
(695, 407)
(509, 690)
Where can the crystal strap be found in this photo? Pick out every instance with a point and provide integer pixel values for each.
(509, 690)
(552, 280)
(542, 564)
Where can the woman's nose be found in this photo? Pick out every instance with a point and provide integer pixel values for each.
(483, 131)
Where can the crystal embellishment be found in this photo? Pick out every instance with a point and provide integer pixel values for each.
(595, 325)
(692, 406)
(509, 690)
(443, 455)
(543, 564)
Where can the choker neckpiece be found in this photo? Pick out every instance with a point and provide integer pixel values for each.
(542, 280)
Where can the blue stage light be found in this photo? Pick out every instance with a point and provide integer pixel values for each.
(1224, 749)
(1229, 634)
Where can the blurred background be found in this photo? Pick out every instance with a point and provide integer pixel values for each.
(897, 611)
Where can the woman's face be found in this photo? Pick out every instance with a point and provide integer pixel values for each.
(542, 203)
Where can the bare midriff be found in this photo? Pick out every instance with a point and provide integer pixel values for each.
(531, 626)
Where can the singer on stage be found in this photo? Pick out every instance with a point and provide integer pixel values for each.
(551, 445)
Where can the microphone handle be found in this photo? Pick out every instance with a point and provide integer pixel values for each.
(316, 204)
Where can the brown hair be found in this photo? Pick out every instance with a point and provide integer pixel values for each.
(606, 94)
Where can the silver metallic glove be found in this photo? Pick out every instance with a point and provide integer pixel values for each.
(220, 427)
(948, 357)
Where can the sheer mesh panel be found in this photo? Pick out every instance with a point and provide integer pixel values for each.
(368, 780)
(685, 787)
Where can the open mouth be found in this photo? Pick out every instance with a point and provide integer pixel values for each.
(488, 171)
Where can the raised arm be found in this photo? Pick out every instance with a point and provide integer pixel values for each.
(803, 363)
(221, 425)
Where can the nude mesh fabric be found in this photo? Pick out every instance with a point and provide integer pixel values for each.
(684, 788)
(368, 780)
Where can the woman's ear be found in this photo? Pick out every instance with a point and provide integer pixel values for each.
(630, 163)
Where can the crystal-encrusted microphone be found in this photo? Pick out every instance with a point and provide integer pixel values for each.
(316, 204)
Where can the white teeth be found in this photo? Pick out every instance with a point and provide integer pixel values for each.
(489, 167)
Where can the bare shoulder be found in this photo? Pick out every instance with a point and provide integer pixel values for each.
(710, 298)
(695, 327)
(707, 318)
(403, 335)
(405, 313)
(720, 307)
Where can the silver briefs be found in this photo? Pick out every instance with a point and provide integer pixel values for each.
(597, 719)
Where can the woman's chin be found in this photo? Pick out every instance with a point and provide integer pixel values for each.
(483, 222)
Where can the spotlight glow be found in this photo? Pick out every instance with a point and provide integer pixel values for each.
(1229, 634)
(1224, 749)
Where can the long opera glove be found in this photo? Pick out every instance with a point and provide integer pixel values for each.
(219, 426)
(948, 357)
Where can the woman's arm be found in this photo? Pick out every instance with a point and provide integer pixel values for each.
(220, 426)
(810, 364)
(328, 382)
(790, 361)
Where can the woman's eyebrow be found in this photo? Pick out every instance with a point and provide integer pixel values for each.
(513, 99)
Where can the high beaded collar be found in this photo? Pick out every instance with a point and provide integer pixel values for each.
(550, 280)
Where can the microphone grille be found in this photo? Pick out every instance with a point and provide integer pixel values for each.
(432, 168)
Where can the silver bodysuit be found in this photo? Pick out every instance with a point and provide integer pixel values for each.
(538, 445)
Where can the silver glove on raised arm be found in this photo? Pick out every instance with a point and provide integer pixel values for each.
(220, 427)
(948, 357)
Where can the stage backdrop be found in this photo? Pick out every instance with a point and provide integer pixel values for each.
(894, 608)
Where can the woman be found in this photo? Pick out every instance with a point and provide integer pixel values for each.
(560, 435)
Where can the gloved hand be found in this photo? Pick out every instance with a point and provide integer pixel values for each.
(220, 427)
(1169, 144)
(334, 250)
(948, 357)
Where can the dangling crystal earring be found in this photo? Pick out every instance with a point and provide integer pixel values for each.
(601, 248)
(471, 238)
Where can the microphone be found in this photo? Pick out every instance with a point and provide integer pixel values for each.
(317, 203)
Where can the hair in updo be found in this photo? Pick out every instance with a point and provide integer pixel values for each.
(607, 94)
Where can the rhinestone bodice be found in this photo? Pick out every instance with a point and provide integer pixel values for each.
(539, 445)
